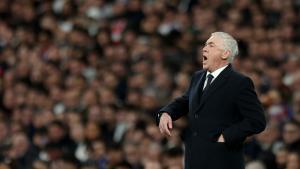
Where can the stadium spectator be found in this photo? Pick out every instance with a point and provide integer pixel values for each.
(76, 72)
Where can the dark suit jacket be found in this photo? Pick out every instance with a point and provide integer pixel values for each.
(230, 107)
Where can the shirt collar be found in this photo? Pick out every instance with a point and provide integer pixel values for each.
(217, 72)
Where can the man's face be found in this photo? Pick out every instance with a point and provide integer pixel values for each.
(214, 56)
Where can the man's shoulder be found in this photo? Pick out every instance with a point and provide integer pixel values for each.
(239, 76)
(233, 73)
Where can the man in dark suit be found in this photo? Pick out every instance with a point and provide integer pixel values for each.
(222, 110)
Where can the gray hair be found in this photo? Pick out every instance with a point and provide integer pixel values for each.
(229, 44)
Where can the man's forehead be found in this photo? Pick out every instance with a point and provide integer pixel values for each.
(214, 39)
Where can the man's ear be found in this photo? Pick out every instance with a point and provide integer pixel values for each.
(225, 54)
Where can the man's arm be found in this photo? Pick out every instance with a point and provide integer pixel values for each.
(173, 111)
(250, 108)
(178, 107)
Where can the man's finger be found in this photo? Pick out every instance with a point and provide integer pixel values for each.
(167, 131)
(160, 129)
(165, 125)
(164, 128)
(170, 125)
(167, 128)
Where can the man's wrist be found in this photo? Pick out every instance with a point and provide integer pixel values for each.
(159, 114)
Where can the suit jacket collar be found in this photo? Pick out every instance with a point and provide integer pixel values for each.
(216, 84)
(217, 72)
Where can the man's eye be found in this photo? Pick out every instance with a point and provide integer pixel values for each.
(209, 45)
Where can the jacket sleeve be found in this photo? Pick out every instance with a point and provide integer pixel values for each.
(253, 119)
(178, 107)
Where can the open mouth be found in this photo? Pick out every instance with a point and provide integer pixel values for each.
(204, 58)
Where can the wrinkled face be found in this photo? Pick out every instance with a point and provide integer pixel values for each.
(214, 56)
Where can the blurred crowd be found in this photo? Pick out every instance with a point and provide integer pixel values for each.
(81, 80)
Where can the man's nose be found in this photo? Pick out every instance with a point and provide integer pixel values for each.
(204, 49)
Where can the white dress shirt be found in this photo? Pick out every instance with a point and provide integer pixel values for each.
(215, 75)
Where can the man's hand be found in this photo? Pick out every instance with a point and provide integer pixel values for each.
(165, 124)
(221, 139)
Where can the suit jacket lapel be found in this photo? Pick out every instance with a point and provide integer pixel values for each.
(217, 83)
(198, 92)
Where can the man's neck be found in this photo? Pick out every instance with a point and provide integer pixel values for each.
(218, 67)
